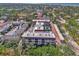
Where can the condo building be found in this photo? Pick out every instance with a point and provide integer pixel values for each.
(40, 32)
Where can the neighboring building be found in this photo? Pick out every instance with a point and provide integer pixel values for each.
(18, 28)
(5, 28)
(13, 30)
(2, 23)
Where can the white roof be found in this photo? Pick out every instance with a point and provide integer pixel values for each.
(40, 34)
(41, 20)
(38, 26)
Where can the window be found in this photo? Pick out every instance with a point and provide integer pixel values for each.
(43, 41)
(40, 34)
(33, 41)
(39, 41)
(29, 40)
(45, 34)
(36, 41)
(47, 40)
(33, 34)
(27, 34)
(48, 34)
(52, 41)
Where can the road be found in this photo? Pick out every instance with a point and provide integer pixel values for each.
(71, 43)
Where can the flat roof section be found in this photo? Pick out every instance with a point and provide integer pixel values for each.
(40, 34)
(41, 20)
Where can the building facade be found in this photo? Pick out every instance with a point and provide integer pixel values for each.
(40, 32)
